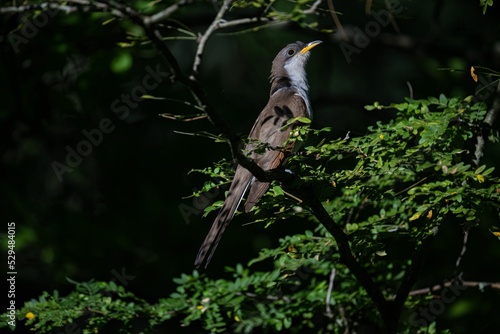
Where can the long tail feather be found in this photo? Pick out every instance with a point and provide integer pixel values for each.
(241, 180)
(255, 193)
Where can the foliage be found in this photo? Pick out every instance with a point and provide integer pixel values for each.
(485, 4)
(284, 11)
(79, 309)
(397, 183)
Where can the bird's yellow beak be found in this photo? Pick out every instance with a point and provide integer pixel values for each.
(310, 46)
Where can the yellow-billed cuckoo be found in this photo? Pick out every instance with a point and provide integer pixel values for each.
(288, 99)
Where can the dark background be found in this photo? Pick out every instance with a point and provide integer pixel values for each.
(119, 208)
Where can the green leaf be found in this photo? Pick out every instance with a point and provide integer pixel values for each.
(121, 63)
(480, 169)
(303, 120)
(488, 171)
(443, 99)
(278, 191)
(151, 97)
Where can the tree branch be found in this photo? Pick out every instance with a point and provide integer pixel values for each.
(79, 5)
(409, 279)
(197, 91)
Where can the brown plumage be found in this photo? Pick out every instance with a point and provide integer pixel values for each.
(288, 99)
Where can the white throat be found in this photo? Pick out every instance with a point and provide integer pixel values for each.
(296, 71)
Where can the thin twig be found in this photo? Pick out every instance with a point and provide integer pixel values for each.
(225, 24)
(162, 15)
(410, 89)
(204, 38)
(471, 284)
(368, 8)
(312, 9)
(203, 134)
(55, 6)
(329, 294)
(293, 196)
(393, 20)
(85, 5)
(464, 249)
(336, 20)
(183, 118)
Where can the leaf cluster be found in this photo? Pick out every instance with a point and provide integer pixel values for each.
(394, 185)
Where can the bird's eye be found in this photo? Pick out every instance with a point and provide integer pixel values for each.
(291, 52)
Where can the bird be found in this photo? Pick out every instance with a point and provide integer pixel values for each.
(288, 99)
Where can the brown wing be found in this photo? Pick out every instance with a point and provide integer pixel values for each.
(282, 106)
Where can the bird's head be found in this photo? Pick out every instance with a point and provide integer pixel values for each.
(290, 63)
